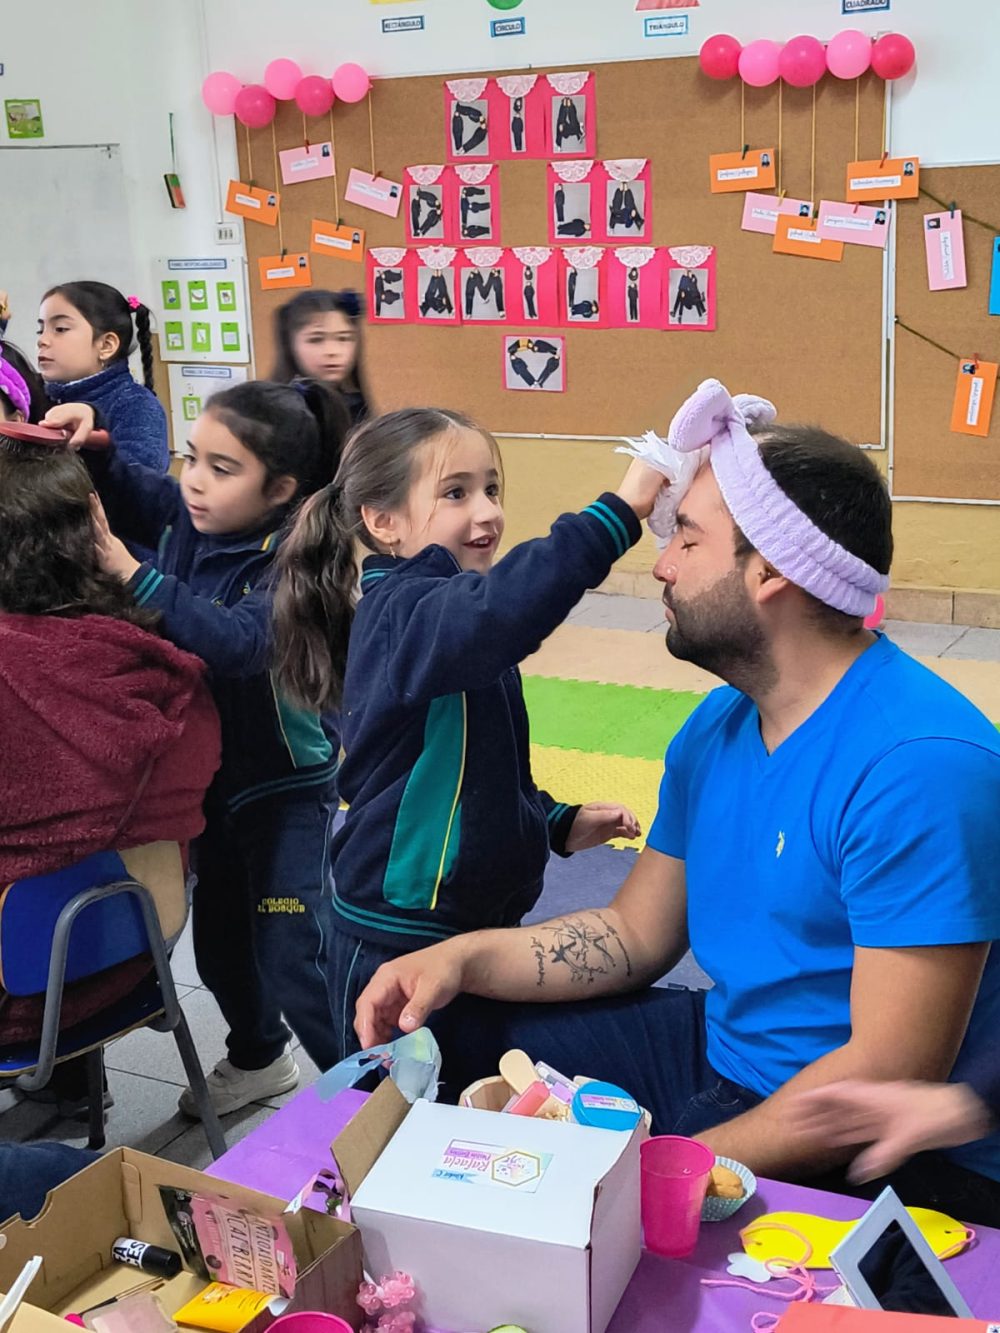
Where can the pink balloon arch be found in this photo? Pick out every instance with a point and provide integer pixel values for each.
(255, 104)
(802, 61)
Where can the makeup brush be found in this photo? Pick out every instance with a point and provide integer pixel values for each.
(15, 434)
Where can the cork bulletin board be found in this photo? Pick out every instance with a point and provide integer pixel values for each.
(928, 459)
(803, 332)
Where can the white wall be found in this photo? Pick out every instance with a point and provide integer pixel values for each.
(112, 70)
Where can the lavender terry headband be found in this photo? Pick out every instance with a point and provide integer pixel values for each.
(771, 522)
(13, 385)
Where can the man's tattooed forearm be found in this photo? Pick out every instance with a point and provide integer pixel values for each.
(588, 945)
(538, 949)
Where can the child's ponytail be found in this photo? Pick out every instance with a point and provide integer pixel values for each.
(314, 603)
(144, 342)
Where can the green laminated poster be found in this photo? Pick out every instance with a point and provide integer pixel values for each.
(201, 337)
(24, 119)
(171, 295)
(191, 408)
(173, 331)
(230, 337)
(225, 294)
(198, 294)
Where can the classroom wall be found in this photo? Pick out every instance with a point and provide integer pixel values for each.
(112, 71)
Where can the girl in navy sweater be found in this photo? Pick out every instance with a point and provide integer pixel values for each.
(86, 331)
(445, 830)
(263, 893)
(319, 335)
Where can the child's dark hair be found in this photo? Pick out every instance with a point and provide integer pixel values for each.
(302, 310)
(38, 404)
(107, 311)
(48, 558)
(317, 570)
(296, 430)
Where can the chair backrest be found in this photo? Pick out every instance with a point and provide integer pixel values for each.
(106, 933)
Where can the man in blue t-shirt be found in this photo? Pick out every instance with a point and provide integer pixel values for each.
(827, 842)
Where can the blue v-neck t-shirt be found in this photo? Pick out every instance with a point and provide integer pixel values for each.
(876, 823)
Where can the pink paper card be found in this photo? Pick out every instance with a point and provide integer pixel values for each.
(760, 211)
(583, 287)
(533, 286)
(434, 297)
(485, 278)
(625, 209)
(468, 115)
(477, 203)
(517, 112)
(689, 288)
(535, 363)
(374, 192)
(574, 197)
(389, 278)
(635, 287)
(429, 205)
(855, 224)
(311, 162)
(571, 117)
(944, 240)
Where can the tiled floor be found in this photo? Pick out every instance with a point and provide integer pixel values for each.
(144, 1070)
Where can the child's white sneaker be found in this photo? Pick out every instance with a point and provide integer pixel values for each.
(231, 1088)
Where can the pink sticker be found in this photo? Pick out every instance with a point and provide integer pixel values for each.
(760, 211)
(308, 163)
(374, 192)
(945, 243)
(854, 224)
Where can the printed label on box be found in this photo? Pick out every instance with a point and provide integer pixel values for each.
(675, 26)
(491, 1164)
(598, 1101)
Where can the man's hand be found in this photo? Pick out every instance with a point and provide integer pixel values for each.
(896, 1120)
(113, 555)
(599, 822)
(79, 418)
(404, 992)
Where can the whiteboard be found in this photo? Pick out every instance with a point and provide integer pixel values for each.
(65, 218)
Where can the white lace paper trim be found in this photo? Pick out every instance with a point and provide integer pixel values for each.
(473, 173)
(576, 169)
(388, 254)
(517, 85)
(625, 168)
(583, 256)
(634, 256)
(437, 256)
(691, 256)
(466, 90)
(484, 256)
(425, 175)
(569, 84)
(532, 255)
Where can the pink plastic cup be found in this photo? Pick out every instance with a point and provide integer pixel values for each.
(674, 1174)
(311, 1321)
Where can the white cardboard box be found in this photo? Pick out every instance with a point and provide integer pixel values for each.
(502, 1219)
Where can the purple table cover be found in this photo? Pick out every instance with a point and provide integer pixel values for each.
(665, 1295)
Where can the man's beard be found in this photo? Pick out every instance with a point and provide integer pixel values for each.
(718, 631)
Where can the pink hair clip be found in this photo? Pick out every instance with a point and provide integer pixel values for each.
(134, 302)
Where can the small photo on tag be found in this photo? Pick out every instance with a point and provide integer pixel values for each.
(889, 178)
(854, 224)
(249, 201)
(374, 192)
(289, 270)
(337, 241)
(975, 389)
(761, 211)
(311, 162)
(800, 236)
(733, 172)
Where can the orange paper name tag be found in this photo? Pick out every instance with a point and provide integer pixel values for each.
(800, 236)
(975, 390)
(249, 201)
(289, 270)
(339, 242)
(895, 178)
(752, 170)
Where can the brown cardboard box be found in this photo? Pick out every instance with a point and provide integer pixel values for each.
(119, 1196)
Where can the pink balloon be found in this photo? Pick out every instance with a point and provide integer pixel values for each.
(219, 92)
(255, 106)
(802, 62)
(350, 83)
(314, 96)
(759, 63)
(849, 54)
(719, 56)
(281, 78)
(893, 56)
